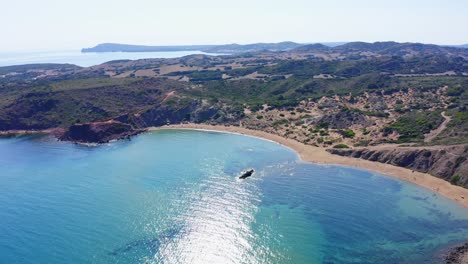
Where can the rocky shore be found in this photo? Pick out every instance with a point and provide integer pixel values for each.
(457, 255)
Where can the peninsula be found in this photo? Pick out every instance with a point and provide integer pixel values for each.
(227, 48)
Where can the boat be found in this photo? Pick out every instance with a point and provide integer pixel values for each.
(246, 174)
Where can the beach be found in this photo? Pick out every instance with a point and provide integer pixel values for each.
(318, 155)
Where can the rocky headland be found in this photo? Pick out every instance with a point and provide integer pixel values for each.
(99, 132)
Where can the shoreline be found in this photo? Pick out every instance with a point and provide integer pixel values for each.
(319, 155)
(308, 153)
(10, 133)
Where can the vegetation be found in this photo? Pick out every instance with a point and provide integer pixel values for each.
(62, 103)
(341, 146)
(347, 133)
(455, 179)
(318, 99)
(412, 126)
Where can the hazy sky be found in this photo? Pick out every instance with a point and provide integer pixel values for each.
(73, 24)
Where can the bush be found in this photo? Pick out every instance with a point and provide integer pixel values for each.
(412, 126)
(376, 114)
(362, 143)
(280, 122)
(259, 117)
(299, 123)
(341, 146)
(348, 133)
(455, 91)
(323, 125)
(455, 179)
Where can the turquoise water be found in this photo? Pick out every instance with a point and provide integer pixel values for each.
(84, 59)
(174, 197)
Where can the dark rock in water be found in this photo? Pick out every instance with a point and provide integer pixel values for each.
(99, 132)
(150, 245)
(457, 255)
(246, 174)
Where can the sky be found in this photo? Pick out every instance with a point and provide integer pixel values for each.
(71, 24)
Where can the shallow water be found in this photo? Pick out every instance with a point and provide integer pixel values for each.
(174, 197)
(84, 59)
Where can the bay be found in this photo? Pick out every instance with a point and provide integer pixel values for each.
(175, 197)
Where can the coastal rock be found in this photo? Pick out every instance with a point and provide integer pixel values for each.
(99, 132)
(449, 163)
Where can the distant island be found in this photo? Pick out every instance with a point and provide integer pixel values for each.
(256, 47)
(227, 48)
(115, 47)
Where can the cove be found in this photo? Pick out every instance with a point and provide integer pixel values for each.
(175, 197)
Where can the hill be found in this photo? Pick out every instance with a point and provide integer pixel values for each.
(349, 50)
(236, 48)
(363, 49)
(311, 47)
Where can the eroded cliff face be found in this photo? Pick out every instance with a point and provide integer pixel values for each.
(446, 162)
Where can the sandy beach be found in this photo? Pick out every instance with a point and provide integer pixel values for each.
(321, 156)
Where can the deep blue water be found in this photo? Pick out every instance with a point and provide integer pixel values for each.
(83, 59)
(174, 197)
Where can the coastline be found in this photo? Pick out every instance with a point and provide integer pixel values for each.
(12, 133)
(318, 155)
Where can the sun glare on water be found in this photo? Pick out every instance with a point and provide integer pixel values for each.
(216, 228)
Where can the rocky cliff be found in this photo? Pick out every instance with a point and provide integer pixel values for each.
(447, 162)
(99, 132)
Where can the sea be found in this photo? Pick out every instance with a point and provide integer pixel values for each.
(176, 197)
(83, 59)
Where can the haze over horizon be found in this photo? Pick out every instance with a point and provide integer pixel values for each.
(52, 24)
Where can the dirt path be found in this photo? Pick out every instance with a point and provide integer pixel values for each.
(169, 95)
(434, 133)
